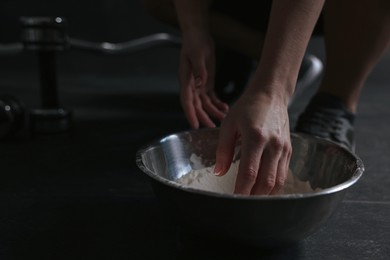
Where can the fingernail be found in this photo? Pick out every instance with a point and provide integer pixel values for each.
(217, 169)
(198, 82)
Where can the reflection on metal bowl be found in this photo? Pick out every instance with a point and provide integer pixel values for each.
(325, 167)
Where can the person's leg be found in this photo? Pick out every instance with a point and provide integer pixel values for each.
(356, 37)
(357, 33)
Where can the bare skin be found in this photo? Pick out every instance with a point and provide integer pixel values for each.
(260, 117)
(356, 36)
(354, 44)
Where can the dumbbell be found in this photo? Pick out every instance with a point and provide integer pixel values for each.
(46, 36)
(12, 116)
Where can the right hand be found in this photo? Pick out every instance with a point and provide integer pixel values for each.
(196, 78)
(261, 124)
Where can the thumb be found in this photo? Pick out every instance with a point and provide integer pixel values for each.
(199, 71)
(225, 150)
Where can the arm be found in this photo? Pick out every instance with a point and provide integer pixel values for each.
(192, 15)
(259, 119)
(290, 27)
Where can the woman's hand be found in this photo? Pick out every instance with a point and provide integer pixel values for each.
(196, 78)
(259, 118)
(260, 123)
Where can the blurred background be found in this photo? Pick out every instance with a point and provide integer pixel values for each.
(95, 21)
(79, 195)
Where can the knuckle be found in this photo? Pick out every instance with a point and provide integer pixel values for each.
(258, 135)
(287, 149)
(288, 145)
(279, 183)
(250, 175)
(268, 184)
(277, 144)
(289, 153)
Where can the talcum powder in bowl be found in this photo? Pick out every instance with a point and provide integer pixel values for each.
(179, 165)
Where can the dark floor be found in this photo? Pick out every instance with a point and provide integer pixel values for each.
(81, 196)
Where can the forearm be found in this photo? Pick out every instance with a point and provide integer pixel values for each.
(290, 27)
(192, 15)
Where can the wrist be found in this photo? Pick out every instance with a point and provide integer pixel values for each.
(280, 90)
(195, 32)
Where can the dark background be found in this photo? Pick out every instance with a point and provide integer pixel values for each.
(81, 196)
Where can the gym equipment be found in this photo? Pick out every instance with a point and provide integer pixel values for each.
(47, 36)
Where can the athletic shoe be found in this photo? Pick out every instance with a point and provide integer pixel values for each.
(327, 117)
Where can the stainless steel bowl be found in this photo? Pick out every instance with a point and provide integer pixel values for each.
(326, 167)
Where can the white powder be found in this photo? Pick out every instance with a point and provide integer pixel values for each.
(204, 179)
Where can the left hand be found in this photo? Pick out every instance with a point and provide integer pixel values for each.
(196, 76)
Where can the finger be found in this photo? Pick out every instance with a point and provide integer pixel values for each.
(200, 72)
(201, 115)
(251, 152)
(225, 149)
(186, 98)
(215, 106)
(187, 92)
(210, 66)
(268, 168)
(211, 109)
(283, 170)
(281, 174)
(222, 106)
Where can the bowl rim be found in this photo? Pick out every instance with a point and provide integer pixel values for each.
(334, 189)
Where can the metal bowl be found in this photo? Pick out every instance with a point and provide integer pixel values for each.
(326, 168)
